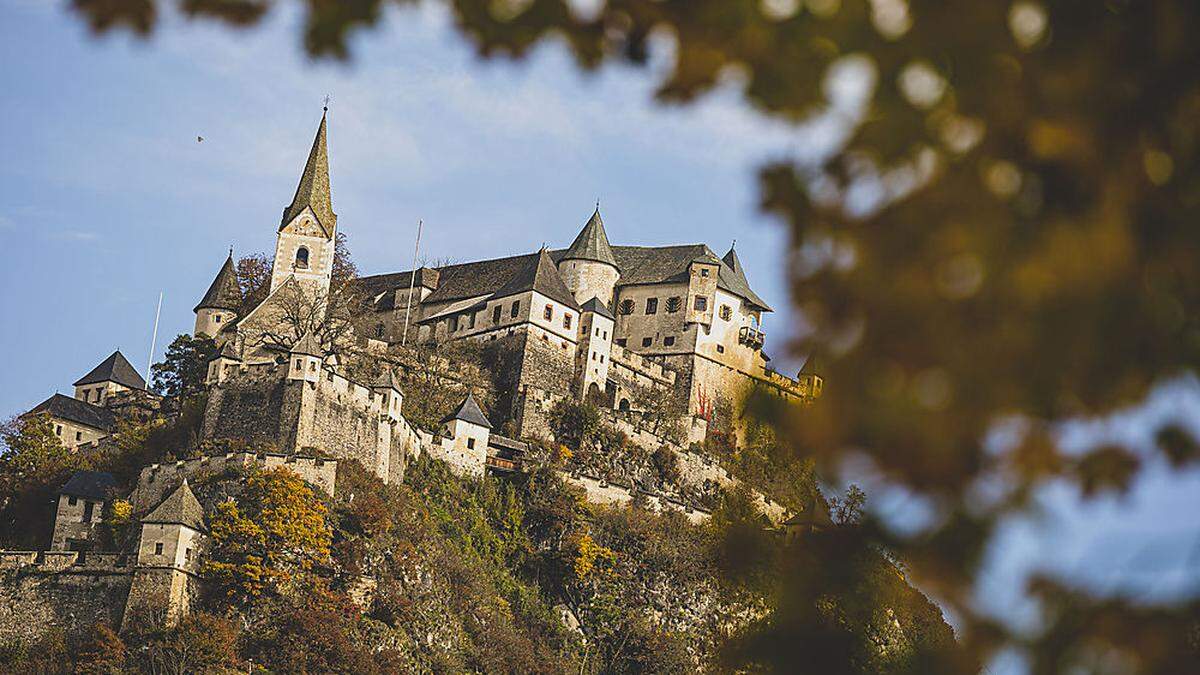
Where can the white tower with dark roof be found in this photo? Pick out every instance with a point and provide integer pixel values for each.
(588, 266)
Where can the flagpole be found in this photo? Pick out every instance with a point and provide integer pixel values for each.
(412, 282)
(153, 339)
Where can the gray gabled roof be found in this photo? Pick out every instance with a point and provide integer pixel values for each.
(469, 411)
(224, 292)
(539, 274)
(98, 485)
(591, 243)
(178, 508)
(594, 305)
(637, 264)
(313, 190)
(74, 410)
(116, 368)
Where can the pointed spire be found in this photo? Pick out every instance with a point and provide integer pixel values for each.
(313, 190)
(386, 380)
(812, 365)
(739, 284)
(469, 411)
(116, 368)
(224, 292)
(307, 345)
(592, 242)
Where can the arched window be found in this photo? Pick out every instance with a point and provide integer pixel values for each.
(302, 258)
(623, 406)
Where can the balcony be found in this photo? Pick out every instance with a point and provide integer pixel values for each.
(752, 337)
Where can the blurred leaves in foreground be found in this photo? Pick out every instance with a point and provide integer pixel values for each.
(1008, 238)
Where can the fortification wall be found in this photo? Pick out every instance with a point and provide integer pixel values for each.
(45, 592)
(599, 491)
(254, 402)
(157, 479)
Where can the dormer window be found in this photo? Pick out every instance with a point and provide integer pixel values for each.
(302, 258)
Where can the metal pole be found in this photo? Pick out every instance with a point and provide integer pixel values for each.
(412, 282)
(153, 339)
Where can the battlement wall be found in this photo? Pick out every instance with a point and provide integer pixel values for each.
(600, 491)
(43, 591)
(158, 479)
(639, 366)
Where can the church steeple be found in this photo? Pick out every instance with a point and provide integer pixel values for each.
(306, 241)
(313, 191)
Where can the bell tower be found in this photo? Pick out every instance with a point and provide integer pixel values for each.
(307, 232)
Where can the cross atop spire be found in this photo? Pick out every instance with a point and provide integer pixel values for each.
(313, 191)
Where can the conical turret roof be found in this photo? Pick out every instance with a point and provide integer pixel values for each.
(313, 190)
(592, 243)
(116, 368)
(386, 380)
(307, 345)
(539, 274)
(179, 508)
(224, 293)
(469, 411)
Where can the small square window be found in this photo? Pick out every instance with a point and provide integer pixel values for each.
(646, 342)
(652, 305)
(470, 443)
(704, 272)
(701, 303)
(720, 349)
(548, 313)
(216, 318)
(158, 548)
(669, 340)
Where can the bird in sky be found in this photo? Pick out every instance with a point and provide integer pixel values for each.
(199, 139)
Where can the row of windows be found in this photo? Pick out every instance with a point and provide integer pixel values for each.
(674, 304)
(514, 310)
(668, 341)
(88, 394)
(58, 432)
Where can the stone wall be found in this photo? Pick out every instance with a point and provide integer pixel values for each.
(252, 403)
(599, 491)
(158, 479)
(40, 593)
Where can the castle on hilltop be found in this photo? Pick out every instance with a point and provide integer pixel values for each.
(611, 324)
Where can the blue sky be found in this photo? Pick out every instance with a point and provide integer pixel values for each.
(106, 198)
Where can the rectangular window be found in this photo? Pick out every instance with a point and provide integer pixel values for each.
(515, 308)
(605, 335)
(601, 358)
(471, 322)
(158, 548)
(496, 314)
(703, 272)
(566, 320)
(187, 555)
(652, 305)
(593, 356)
(73, 501)
(299, 366)
(621, 342)
(78, 435)
(646, 342)
(58, 430)
(701, 303)
(720, 349)
(470, 443)
(669, 340)
(548, 313)
(216, 318)
(453, 323)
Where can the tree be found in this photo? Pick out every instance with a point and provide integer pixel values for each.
(574, 423)
(254, 278)
(34, 464)
(1006, 233)
(201, 643)
(103, 652)
(184, 367)
(264, 540)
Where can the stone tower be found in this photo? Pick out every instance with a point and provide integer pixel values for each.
(308, 230)
(219, 306)
(168, 561)
(589, 267)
